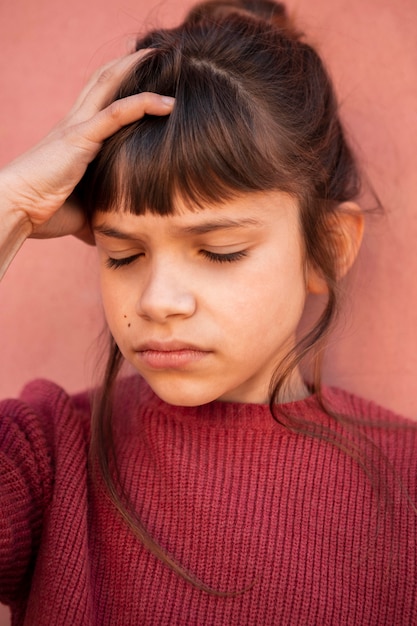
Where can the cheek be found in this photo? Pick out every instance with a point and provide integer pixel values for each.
(279, 298)
(279, 280)
(117, 306)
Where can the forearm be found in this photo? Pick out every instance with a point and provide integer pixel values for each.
(15, 228)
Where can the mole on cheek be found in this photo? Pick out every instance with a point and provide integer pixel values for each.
(128, 325)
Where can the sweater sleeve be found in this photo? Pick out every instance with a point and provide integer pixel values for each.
(26, 478)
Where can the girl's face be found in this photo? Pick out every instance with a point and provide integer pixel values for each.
(204, 304)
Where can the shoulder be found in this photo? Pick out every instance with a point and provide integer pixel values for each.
(40, 417)
(49, 400)
(376, 428)
(363, 409)
(47, 407)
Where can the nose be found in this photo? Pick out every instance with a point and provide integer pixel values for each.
(165, 293)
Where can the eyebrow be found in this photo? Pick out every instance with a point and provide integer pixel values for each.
(197, 229)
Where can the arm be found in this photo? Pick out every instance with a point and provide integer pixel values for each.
(35, 201)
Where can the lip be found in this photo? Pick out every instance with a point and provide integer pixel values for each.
(170, 354)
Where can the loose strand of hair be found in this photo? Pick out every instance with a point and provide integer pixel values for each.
(313, 341)
(103, 463)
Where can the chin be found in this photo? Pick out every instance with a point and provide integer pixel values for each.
(183, 395)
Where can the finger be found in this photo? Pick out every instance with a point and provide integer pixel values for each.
(103, 84)
(100, 76)
(123, 112)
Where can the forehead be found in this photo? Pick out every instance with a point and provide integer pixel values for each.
(249, 211)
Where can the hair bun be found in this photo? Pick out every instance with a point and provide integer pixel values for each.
(269, 11)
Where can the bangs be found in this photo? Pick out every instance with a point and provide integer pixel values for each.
(216, 144)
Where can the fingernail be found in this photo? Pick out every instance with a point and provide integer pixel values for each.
(168, 100)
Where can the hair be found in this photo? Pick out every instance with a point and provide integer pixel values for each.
(255, 110)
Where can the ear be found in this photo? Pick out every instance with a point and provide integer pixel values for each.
(346, 226)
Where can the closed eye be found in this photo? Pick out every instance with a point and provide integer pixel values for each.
(115, 263)
(228, 257)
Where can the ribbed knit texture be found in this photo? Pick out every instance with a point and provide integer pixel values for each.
(233, 496)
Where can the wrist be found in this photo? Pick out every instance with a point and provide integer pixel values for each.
(15, 228)
(14, 222)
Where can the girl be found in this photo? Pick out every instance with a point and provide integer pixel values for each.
(215, 486)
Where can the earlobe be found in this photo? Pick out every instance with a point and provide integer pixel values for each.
(350, 225)
(345, 230)
(315, 283)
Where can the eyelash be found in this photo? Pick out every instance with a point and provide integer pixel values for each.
(116, 263)
(229, 257)
(214, 257)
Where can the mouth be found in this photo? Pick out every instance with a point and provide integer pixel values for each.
(170, 355)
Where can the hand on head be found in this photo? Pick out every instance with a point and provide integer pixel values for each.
(38, 184)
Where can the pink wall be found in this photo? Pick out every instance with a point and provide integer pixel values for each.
(50, 313)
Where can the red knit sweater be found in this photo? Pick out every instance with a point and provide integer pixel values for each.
(232, 495)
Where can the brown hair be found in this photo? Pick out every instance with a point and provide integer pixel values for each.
(255, 110)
